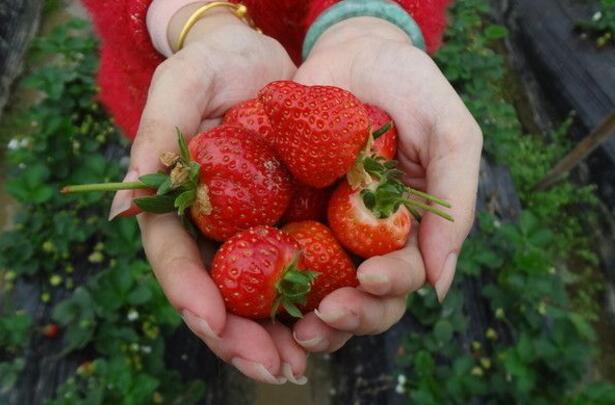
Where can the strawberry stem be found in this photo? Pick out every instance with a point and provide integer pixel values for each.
(429, 197)
(85, 188)
(411, 204)
(382, 130)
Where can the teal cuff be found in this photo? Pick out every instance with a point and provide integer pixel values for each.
(346, 9)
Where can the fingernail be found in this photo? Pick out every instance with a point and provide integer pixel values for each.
(257, 371)
(375, 283)
(287, 370)
(123, 198)
(446, 276)
(313, 343)
(342, 318)
(199, 326)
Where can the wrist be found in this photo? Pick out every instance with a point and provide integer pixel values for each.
(214, 21)
(357, 29)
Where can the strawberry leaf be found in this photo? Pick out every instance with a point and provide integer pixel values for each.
(160, 204)
(292, 309)
(183, 146)
(165, 187)
(153, 180)
(185, 200)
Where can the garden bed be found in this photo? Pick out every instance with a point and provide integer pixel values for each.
(516, 327)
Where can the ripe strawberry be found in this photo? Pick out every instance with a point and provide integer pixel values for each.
(361, 230)
(385, 145)
(50, 330)
(373, 220)
(258, 273)
(250, 115)
(228, 178)
(323, 254)
(242, 184)
(307, 203)
(318, 131)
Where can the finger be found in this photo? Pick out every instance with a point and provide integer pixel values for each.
(397, 273)
(359, 313)
(176, 261)
(314, 335)
(249, 348)
(452, 174)
(171, 104)
(293, 358)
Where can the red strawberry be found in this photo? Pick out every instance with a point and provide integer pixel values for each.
(228, 178)
(307, 203)
(50, 330)
(250, 115)
(374, 219)
(386, 144)
(257, 273)
(323, 254)
(318, 131)
(242, 184)
(360, 230)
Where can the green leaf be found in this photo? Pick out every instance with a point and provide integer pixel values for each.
(139, 295)
(154, 180)
(165, 187)
(185, 200)
(292, 309)
(494, 32)
(157, 205)
(183, 147)
(443, 331)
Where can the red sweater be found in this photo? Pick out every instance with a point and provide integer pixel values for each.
(128, 58)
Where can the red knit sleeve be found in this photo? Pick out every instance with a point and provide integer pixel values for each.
(128, 58)
(430, 15)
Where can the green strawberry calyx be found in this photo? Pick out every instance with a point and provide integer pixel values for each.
(293, 289)
(386, 192)
(176, 190)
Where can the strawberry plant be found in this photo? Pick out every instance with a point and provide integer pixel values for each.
(601, 26)
(95, 284)
(539, 342)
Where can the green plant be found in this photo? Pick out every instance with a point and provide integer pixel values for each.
(601, 27)
(115, 310)
(538, 342)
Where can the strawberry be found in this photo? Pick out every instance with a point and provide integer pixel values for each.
(360, 230)
(375, 219)
(227, 179)
(323, 254)
(50, 330)
(318, 131)
(307, 203)
(250, 115)
(385, 145)
(242, 183)
(258, 273)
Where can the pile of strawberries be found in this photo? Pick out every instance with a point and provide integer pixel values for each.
(300, 157)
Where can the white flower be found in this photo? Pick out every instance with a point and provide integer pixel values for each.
(146, 349)
(133, 315)
(13, 144)
(401, 382)
(597, 16)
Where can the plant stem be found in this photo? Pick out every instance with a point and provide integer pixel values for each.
(411, 204)
(429, 197)
(382, 130)
(84, 188)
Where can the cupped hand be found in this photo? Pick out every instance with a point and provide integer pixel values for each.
(223, 62)
(439, 151)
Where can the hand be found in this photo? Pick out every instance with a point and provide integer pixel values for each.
(440, 148)
(224, 62)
